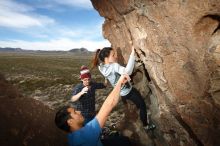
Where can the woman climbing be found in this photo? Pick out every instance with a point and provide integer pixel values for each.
(106, 60)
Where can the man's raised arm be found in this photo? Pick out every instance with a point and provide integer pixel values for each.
(111, 101)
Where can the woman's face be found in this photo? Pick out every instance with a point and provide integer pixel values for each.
(112, 57)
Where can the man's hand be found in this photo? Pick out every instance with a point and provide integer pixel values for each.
(123, 79)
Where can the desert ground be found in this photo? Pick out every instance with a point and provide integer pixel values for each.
(50, 77)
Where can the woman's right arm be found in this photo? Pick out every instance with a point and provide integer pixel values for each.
(129, 67)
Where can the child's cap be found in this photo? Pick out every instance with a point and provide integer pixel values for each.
(84, 72)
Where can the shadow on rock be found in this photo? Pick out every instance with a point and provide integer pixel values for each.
(25, 121)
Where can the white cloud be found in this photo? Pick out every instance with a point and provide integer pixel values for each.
(84, 32)
(55, 37)
(76, 3)
(88, 32)
(16, 15)
(11, 5)
(58, 44)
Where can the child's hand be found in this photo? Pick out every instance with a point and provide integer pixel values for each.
(84, 90)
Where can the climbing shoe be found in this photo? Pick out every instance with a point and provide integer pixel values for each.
(149, 127)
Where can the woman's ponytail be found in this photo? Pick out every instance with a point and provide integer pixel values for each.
(95, 60)
(100, 56)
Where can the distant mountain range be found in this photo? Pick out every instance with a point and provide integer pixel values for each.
(10, 49)
(74, 50)
(79, 50)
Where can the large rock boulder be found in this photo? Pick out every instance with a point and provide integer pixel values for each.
(26, 121)
(178, 53)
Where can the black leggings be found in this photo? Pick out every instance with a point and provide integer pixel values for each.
(116, 141)
(137, 99)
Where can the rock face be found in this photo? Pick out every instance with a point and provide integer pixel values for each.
(25, 121)
(178, 53)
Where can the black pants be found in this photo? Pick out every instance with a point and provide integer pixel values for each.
(116, 141)
(137, 99)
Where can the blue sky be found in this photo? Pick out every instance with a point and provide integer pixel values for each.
(50, 25)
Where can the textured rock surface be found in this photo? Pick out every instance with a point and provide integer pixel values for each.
(25, 121)
(178, 53)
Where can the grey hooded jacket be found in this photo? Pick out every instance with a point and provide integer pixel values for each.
(113, 71)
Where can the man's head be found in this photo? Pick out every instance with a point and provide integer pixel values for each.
(85, 75)
(69, 119)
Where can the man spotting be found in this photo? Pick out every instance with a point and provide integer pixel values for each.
(72, 121)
